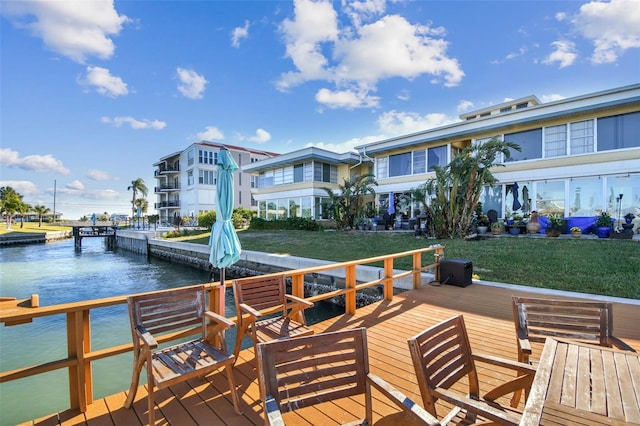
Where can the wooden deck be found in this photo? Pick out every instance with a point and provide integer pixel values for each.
(389, 324)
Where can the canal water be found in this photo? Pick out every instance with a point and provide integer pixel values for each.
(60, 274)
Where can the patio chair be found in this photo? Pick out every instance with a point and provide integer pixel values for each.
(334, 366)
(536, 319)
(167, 317)
(442, 358)
(265, 312)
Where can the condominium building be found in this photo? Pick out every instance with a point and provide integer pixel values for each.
(580, 156)
(186, 180)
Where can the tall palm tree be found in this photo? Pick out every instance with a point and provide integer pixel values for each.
(136, 186)
(23, 208)
(11, 202)
(41, 210)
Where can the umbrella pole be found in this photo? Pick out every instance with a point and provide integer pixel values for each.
(222, 294)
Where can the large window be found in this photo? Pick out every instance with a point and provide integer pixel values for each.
(491, 199)
(629, 187)
(555, 141)
(619, 131)
(550, 198)
(581, 137)
(190, 177)
(190, 157)
(207, 157)
(400, 164)
(585, 197)
(298, 173)
(207, 177)
(382, 166)
(437, 157)
(530, 142)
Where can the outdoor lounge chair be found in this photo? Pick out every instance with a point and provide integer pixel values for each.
(170, 316)
(310, 370)
(442, 357)
(265, 312)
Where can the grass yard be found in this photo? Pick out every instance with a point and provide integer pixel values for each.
(597, 266)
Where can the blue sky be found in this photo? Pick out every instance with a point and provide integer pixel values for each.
(94, 92)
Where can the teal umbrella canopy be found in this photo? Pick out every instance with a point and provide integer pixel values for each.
(224, 242)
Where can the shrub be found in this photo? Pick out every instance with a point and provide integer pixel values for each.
(205, 220)
(292, 223)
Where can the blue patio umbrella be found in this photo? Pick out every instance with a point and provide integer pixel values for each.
(392, 205)
(516, 202)
(224, 242)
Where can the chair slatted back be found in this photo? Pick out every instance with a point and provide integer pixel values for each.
(538, 319)
(441, 357)
(260, 292)
(309, 370)
(168, 311)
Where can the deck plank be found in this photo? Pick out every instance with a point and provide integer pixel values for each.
(488, 316)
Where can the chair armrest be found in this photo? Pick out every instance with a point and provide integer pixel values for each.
(506, 363)
(222, 321)
(300, 301)
(523, 342)
(416, 412)
(146, 337)
(617, 343)
(272, 412)
(478, 407)
(244, 308)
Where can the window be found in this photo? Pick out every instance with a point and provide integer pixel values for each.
(254, 181)
(619, 131)
(190, 177)
(382, 166)
(581, 137)
(324, 172)
(550, 198)
(437, 157)
(531, 143)
(555, 141)
(585, 197)
(190, 157)
(419, 162)
(629, 187)
(298, 173)
(400, 164)
(207, 177)
(207, 157)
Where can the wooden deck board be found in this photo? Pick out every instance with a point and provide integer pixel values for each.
(389, 324)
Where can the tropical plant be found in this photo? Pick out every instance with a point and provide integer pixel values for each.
(11, 203)
(555, 222)
(451, 197)
(41, 210)
(349, 203)
(136, 186)
(23, 208)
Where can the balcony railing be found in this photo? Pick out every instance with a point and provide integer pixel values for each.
(80, 354)
(166, 204)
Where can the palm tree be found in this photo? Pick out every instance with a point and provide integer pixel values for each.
(11, 202)
(136, 186)
(41, 210)
(22, 209)
(348, 204)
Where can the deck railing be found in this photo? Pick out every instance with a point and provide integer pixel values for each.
(80, 355)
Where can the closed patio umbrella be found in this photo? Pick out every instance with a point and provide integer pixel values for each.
(526, 204)
(224, 242)
(516, 202)
(392, 206)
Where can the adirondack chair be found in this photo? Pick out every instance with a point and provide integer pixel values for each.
(310, 370)
(265, 312)
(442, 357)
(169, 316)
(536, 319)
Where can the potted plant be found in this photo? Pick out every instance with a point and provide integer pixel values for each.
(497, 227)
(576, 232)
(603, 225)
(554, 227)
(629, 217)
(483, 224)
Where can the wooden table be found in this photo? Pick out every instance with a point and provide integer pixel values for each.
(579, 384)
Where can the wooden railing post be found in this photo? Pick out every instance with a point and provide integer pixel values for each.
(388, 275)
(350, 283)
(78, 344)
(438, 255)
(297, 290)
(417, 270)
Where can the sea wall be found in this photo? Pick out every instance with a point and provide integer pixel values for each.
(135, 241)
(33, 237)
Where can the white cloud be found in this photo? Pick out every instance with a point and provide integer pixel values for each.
(464, 106)
(551, 97)
(564, 54)
(347, 99)
(510, 56)
(398, 123)
(102, 194)
(22, 187)
(37, 163)
(75, 185)
(239, 33)
(348, 145)
(192, 85)
(135, 123)
(103, 82)
(261, 136)
(75, 29)
(355, 58)
(210, 133)
(99, 175)
(613, 27)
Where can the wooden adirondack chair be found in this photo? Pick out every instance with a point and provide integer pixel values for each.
(265, 312)
(310, 370)
(171, 316)
(442, 357)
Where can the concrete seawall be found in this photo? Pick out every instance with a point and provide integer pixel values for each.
(33, 237)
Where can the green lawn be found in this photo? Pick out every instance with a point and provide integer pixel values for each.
(598, 266)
